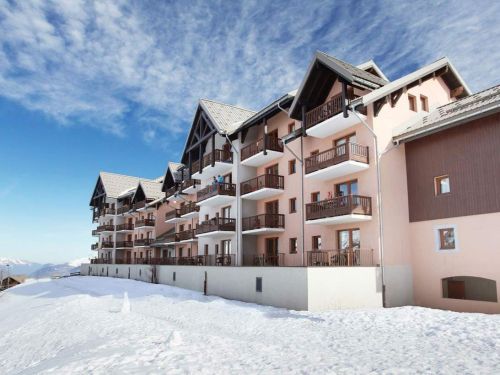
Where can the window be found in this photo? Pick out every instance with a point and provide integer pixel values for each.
(315, 197)
(412, 102)
(291, 127)
(446, 238)
(226, 212)
(226, 247)
(258, 284)
(470, 288)
(348, 239)
(346, 188)
(293, 245)
(316, 242)
(206, 249)
(273, 169)
(424, 103)
(272, 207)
(293, 205)
(291, 166)
(442, 185)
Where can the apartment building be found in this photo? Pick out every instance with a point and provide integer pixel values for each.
(317, 184)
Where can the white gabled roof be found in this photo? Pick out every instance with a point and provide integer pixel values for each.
(116, 184)
(227, 118)
(407, 79)
(151, 189)
(370, 64)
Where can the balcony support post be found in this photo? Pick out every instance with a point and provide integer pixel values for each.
(344, 98)
(265, 137)
(213, 150)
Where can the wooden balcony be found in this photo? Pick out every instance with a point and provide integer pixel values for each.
(264, 224)
(95, 232)
(328, 118)
(216, 195)
(217, 162)
(105, 228)
(124, 244)
(173, 216)
(337, 162)
(263, 260)
(189, 210)
(217, 227)
(125, 227)
(108, 211)
(107, 245)
(190, 186)
(144, 223)
(94, 246)
(123, 209)
(171, 192)
(339, 210)
(340, 258)
(262, 151)
(187, 236)
(143, 242)
(101, 261)
(262, 187)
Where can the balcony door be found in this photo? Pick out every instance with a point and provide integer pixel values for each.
(341, 143)
(273, 169)
(272, 207)
(272, 247)
(346, 188)
(226, 212)
(349, 239)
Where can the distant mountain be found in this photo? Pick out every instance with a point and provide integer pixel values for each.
(39, 271)
(19, 266)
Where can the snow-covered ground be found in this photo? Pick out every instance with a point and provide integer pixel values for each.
(105, 325)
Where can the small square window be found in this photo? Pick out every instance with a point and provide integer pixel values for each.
(424, 103)
(447, 239)
(291, 166)
(442, 185)
(412, 102)
(293, 205)
(258, 284)
(316, 242)
(315, 197)
(293, 245)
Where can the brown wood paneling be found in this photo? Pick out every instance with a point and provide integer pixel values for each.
(470, 155)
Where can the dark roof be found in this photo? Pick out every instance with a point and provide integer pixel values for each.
(456, 113)
(270, 110)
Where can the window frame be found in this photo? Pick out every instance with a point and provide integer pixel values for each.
(412, 103)
(318, 242)
(293, 249)
(294, 200)
(437, 185)
(292, 166)
(424, 103)
(438, 229)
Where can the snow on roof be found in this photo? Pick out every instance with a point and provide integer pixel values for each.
(116, 184)
(151, 189)
(370, 64)
(455, 113)
(227, 118)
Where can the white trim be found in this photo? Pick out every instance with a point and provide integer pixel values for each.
(437, 239)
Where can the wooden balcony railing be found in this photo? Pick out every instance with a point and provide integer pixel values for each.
(336, 155)
(186, 235)
(123, 209)
(143, 241)
(107, 245)
(346, 205)
(263, 221)
(326, 110)
(126, 226)
(94, 246)
(173, 214)
(106, 227)
(123, 244)
(95, 232)
(189, 208)
(217, 224)
(265, 143)
(109, 211)
(264, 260)
(216, 189)
(173, 237)
(190, 183)
(272, 181)
(141, 204)
(172, 191)
(101, 261)
(144, 223)
(340, 258)
(211, 158)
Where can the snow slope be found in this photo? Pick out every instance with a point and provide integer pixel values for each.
(105, 325)
(19, 266)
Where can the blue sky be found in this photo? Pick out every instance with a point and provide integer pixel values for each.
(113, 85)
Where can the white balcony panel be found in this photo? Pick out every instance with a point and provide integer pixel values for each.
(260, 231)
(260, 159)
(339, 170)
(220, 168)
(344, 219)
(262, 194)
(175, 220)
(219, 234)
(333, 125)
(192, 189)
(190, 215)
(217, 200)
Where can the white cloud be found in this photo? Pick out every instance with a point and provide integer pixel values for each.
(115, 64)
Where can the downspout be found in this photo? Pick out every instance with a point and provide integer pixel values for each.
(379, 205)
(238, 199)
(302, 203)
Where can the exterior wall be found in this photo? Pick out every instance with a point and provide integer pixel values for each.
(469, 155)
(478, 255)
(296, 288)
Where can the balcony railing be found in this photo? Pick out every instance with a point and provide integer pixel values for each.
(339, 206)
(109, 211)
(189, 208)
(144, 223)
(95, 232)
(263, 221)
(143, 241)
(272, 181)
(101, 261)
(340, 258)
(94, 246)
(326, 110)
(267, 142)
(173, 237)
(186, 235)
(336, 155)
(126, 226)
(216, 189)
(105, 228)
(217, 224)
(124, 243)
(172, 191)
(123, 209)
(107, 245)
(211, 158)
(199, 260)
(189, 183)
(264, 260)
(173, 214)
